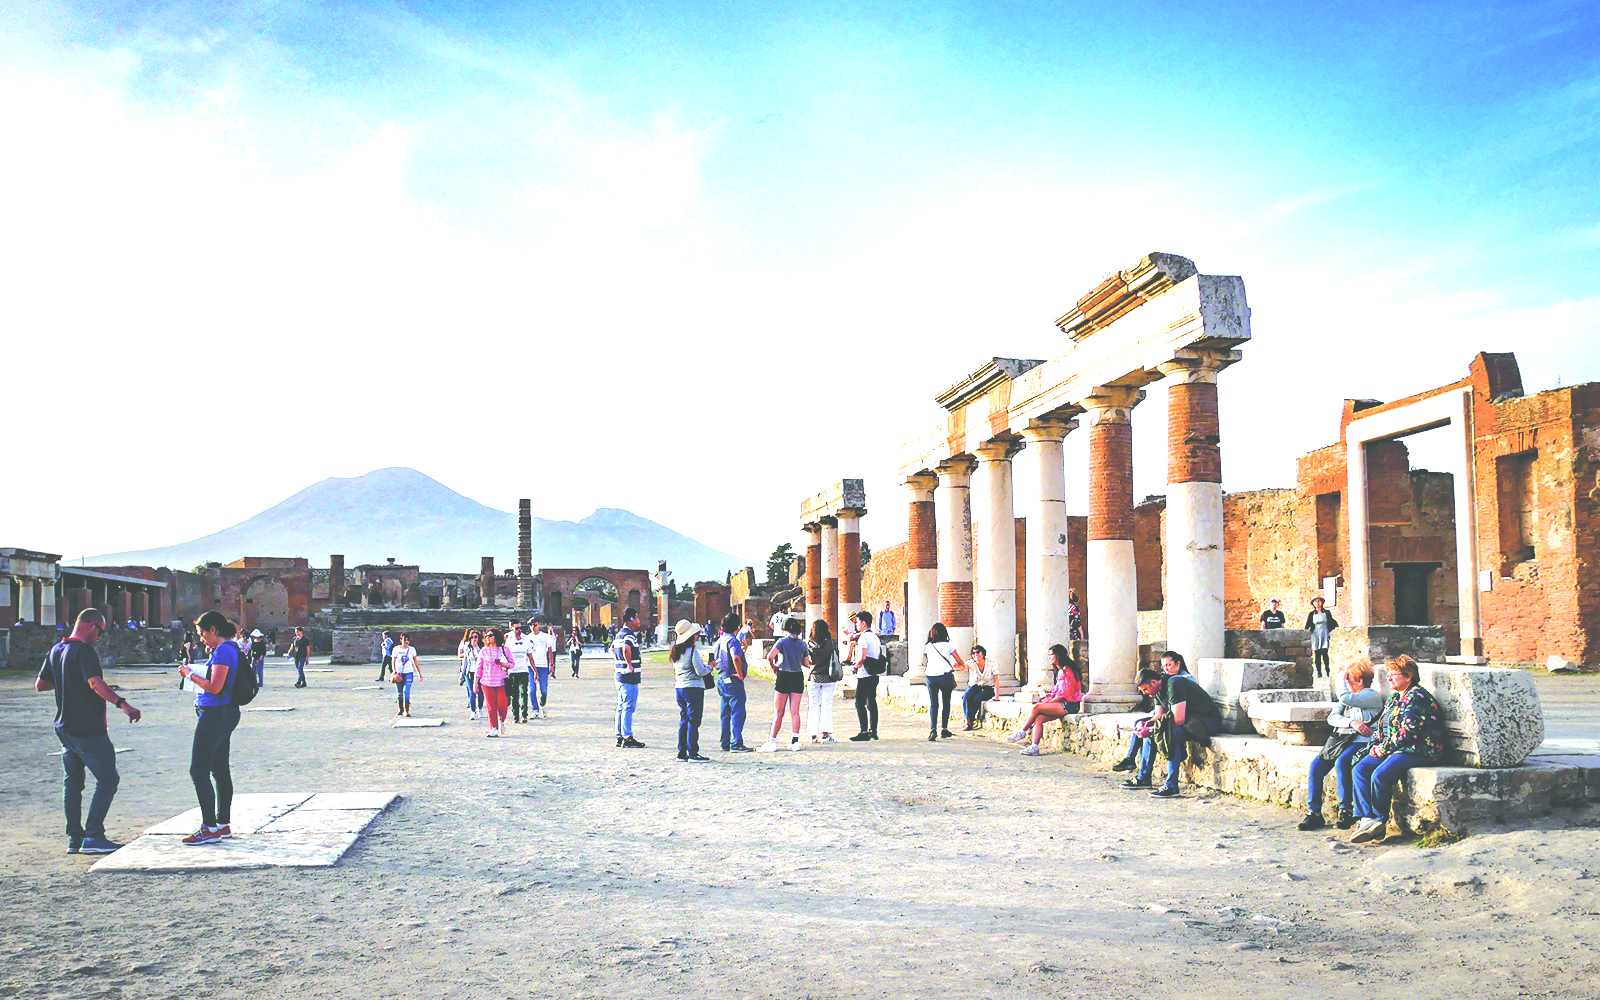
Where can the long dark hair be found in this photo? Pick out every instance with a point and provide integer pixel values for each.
(819, 632)
(938, 633)
(679, 647)
(1065, 660)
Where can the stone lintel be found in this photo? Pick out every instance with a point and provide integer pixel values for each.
(845, 495)
(1121, 292)
(979, 383)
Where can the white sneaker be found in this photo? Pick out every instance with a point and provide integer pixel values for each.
(492, 733)
(771, 746)
(829, 739)
(1018, 736)
(1031, 750)
(794, 744)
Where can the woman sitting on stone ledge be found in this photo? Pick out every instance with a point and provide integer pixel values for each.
(1358, 705)
(1410, 733)
(1064, 699)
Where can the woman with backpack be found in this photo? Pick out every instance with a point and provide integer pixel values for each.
(940, 661)
(407, 668)
(216, 718)
(826, 672)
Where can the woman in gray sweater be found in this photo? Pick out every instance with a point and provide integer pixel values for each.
(1359, 706)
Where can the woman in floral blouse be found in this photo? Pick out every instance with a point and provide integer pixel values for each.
(1409, 733)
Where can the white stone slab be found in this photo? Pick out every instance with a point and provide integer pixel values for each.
(352, 800)
(321, 821)
(269, 708)
(372, 687)
(250, 813)
(57, 753)
(416, 723)
(279, 850)
(319, 670)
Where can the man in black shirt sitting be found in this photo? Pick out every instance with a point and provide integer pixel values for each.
(1185, 712)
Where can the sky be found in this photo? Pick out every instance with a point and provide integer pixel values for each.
(696, 260)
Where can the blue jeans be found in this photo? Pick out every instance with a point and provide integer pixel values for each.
(261, 671)
(402, 691)
(300, 669)
(1341, 768)
(474, 698)
(1180, 746)
(544, 685)
(972, 701)
(732, 691)
(1143, 749)
(97, 755)
(691, 706)
(1375, 777)
(627, 701)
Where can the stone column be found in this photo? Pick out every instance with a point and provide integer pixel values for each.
(1193, 544)
(922, 567)
(1049, 573)
(1358, 575)
(830, 572)
(1467, 566)
(140, 611)
(813, 575)
(955, 554)
(1113, 584)
(163, 612)
(995, 604)
(849, 563)
(525, 595)
(336, 585)
(486, 581)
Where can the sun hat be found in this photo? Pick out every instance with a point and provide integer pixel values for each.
(684, 629)
(256, 634)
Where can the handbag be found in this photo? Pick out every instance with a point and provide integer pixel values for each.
(835, 668)
(1337, 744)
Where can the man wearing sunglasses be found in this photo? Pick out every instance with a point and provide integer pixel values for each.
(72, 671)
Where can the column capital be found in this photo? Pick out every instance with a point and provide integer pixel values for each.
(1050, 428)
(1199, 364)
(851, 512)
(957, 467)
(1112, 404)
(997, 450)
(812, 528)
(922, 482)
(828, 521)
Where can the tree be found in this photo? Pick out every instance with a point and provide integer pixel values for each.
(778, 564)
(866, 554)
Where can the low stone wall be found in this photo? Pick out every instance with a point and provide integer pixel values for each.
(1289, 644)
(362, 645)
(1423, 643)
(25, 646)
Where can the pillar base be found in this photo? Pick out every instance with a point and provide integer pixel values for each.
(1472, 661)
(1109, 701)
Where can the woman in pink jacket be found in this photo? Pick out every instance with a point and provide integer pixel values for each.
(1064, 699)
(493, 665)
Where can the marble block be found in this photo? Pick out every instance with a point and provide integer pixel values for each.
(282, 850)
(269, 708)
(1290, 720)
(1492, 715)
(250, 813)
(1226, 679)
(352, 800)
(416, 723)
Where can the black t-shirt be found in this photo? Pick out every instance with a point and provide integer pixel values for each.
(1272, 619)
(1181, 688)
(301, 647)
(69, 666)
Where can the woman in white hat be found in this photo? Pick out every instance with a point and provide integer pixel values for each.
(692, 672)
(258, 656)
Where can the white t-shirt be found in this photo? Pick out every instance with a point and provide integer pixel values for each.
(405, 659)
(519, 650)
(938, 658)
(544, 644)
(868, 648)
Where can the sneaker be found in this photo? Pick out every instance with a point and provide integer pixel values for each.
(492, 733)
(1018, 736)
(861, 738)
(771, 746)
(699, 759)
(1313, 821)
(683, 756)
(794, 744)
(202, 836)
(619, 741)
(225, 831)
(872, 735)
(1166, 792)
(933, 737)
(1137, 783)
(829, 739)
(945, 734)
(632, 744)
(97, 845)
(1125, 764)
(74, 845)
(1367, 829)
(1031, 750)
(1347, 819)
(741, 748)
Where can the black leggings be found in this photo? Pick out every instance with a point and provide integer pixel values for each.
(213, 735)
(1319, 659)
(867, 703)
(940, 687)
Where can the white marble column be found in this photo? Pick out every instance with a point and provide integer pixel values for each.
(994, 610)
(1467, 540)
(1048, 571)
(955, 553)
(922, 567)
(813, 582)
(1358, 577)
(1113, 583)
(1193, 599)
(830, 572)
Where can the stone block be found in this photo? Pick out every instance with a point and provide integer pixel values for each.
(1493, 714)
(1288, 716)
(1557, 664)
(1226, 679)
(1378, 643)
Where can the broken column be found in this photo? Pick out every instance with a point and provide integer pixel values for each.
(849, 562)
(336, 585)
(486, 581)
(813, 574)
(525, 595)
(830, 573)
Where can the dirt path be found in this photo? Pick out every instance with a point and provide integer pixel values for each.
(550, 863)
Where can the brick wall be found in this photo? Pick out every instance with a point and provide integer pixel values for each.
(1149, 526)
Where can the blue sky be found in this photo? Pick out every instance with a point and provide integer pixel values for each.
(640, 229)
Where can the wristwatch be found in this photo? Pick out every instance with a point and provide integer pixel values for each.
(121, 701)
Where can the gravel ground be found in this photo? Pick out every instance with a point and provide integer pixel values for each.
(550, 863)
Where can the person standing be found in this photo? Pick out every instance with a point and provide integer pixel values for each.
(494, 666)
(731, 673)
(72, 671)
(866, 653)
(980, 687)
(1074, 617)
(691, 673)
(520, 648)
(469, 650)
(789, 660)
(544, 660)
(629, 667)
(1320, 623)
(575, 650)
(216, 719)
(258, 656)
(1273, 617)
(826, 672)
(886, 620)
(940, 661)
(386, 651)
(300, 653)
(407, 668)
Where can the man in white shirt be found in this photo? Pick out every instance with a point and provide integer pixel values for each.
(544, 660)
(866, 657)
(520, 647)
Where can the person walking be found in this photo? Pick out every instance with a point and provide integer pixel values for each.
(940, 661)
(629, 667)
(728, 655)
(691, 672)
(72, 671)
(494, 666)
(575, 649)
(980, 688)
(520, 648)
(789, 660)
(407, 668)
(865, 660)
(216, 719)
(300, 653)
(471, 646)
(544, 661)
(386, 651)
(826, 672)
(258, 656)
(1320, 623)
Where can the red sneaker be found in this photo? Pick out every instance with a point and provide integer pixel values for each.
(225, 831)
(202, 836)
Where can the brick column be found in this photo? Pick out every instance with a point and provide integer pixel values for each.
(1193, 545)
(1049, 575)
(525, 595)
(955, 553)
(336, 584)
(830, 572)
(849, 563)
(922, 567)
(163, 612)
(486, 581)
(1113, 584)
(813, 575)
(995, 604)
(141, 607)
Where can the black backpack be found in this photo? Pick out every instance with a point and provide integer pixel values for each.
(244, 683)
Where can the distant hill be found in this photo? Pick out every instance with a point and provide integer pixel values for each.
(416, 519)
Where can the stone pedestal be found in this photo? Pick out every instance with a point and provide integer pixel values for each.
(1225, 680)
(1493, 716)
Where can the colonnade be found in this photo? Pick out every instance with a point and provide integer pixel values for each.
(832, 525)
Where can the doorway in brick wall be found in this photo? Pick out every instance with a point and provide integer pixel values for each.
(1411, 583)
